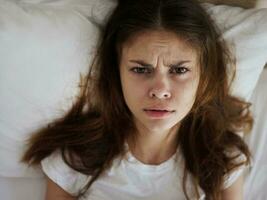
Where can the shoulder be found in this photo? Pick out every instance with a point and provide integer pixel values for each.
(63, 175)
(240, 165)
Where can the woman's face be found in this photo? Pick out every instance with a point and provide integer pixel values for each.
(159, 77)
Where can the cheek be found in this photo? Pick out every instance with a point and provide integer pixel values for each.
(186, 92)
(137, 92)
(134, 91)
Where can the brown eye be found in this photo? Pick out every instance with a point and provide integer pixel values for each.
(141, 70)
(179, 70)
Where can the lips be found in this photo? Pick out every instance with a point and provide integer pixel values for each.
(158, 113)
(158, 110)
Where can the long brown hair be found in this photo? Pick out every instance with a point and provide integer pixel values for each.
(92, 134)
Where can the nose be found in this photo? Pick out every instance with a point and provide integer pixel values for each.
(159, 88)
(160, 95)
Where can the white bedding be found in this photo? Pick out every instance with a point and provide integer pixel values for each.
(25, 55)
(256, 181)
(22, 188)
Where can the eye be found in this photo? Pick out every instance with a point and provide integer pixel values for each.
(141, 70)
(179, 70)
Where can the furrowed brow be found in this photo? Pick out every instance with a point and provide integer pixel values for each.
(144, 64)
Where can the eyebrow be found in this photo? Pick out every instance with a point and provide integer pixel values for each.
(144, 64)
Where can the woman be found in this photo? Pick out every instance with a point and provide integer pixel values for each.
(155, 118)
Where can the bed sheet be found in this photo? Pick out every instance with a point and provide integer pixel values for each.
(256, 180)
(22, 188)
(255, 183)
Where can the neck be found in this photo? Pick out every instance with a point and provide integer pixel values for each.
(153, 147)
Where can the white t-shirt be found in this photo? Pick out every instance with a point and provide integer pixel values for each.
(127, 179)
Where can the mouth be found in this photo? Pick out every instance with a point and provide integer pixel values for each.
(157, 113)
(159, 110)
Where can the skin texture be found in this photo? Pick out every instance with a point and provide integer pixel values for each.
(164, 84)
(235, 191)
(55, 192)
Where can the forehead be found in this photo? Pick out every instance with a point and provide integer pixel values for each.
(154, 43)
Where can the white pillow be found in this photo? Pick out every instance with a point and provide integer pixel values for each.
(45, 44)
(246, 32)
(43, 48)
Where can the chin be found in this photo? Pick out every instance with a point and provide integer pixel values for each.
(159, 127)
